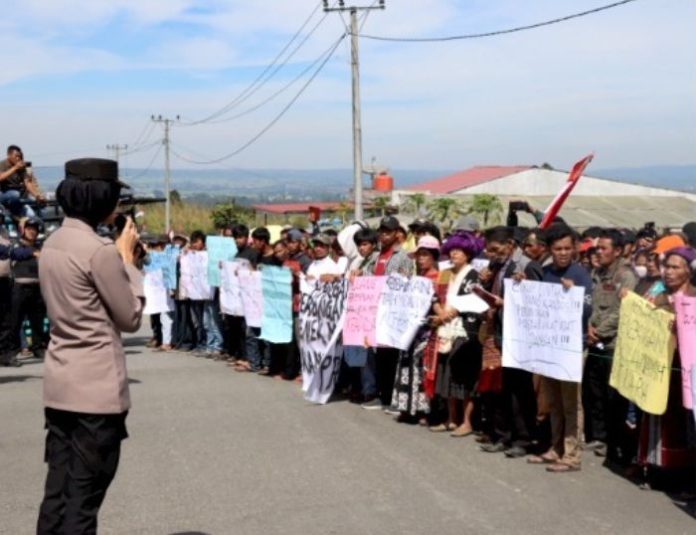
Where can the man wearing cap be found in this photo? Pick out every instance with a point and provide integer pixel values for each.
(323, 266)
(391, 259)
(294, 241)
(93, 292)
(26, 294)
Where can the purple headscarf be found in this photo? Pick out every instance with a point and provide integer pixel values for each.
(466, 241)
(687, 253)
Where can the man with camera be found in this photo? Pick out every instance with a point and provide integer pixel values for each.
(17, 181)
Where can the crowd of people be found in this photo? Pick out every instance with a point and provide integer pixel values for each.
(451, 379)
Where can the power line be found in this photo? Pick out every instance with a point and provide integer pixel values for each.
(277, 117)
(277, 93)
(149, 166)
(496, 32)
(261, 79)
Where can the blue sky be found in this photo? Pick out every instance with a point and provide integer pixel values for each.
(84, 74)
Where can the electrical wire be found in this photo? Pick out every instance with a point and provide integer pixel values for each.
(277, 93)
(496, 32)
(277, 117)
(142, 148)
(149, 165)
(262, 78)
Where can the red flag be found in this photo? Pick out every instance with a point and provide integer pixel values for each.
(555, 206)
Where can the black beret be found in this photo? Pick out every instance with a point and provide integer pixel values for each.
(93, 169)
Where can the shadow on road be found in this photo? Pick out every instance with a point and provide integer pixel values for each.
(190, 533)
(136, 341)
(18, 378)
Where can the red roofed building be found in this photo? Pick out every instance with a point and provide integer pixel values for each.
(466, 179)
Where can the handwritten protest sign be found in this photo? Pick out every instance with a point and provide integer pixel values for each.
(165, 261)
(643, 356)
(542, 329)
(322, 314)
(403, 304)
(252, 297)
(479, 264)
(194, 279)
(230, 292)
(685, 307)
(693, 390)
(276, 322)
(157, 298)
(220, 249)
(361, 311)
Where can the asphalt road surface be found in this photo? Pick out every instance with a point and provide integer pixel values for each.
(216, 452)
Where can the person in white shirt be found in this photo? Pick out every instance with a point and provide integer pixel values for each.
(323, 267)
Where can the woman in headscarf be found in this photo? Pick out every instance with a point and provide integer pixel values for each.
(410, 397)
(459, 348)
(93, 292)
(667, 441)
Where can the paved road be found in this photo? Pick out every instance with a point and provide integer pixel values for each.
(215, 452)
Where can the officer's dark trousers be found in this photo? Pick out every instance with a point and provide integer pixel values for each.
(82, 453)
(5, 316)
(27, 303)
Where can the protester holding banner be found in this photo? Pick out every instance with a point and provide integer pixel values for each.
(410, 397)
(605, 409)
(565, 453)
(515, 408)
(668, 441)
(459, 348)
(391, 259)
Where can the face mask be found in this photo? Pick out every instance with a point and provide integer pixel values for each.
(641, 271)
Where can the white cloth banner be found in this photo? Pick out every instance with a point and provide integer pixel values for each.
(322, 314)
(402, 308)
(230, 291)
(194, 276)
(252, 297)
(542, 329)
(157, 298)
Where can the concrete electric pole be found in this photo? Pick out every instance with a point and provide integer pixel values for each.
(116, 148)
(355, 70)
(167, 171)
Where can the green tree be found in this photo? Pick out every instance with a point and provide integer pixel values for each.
(224, 215)
(444, 210)
(415, 202)
(381, 204)
(486, 206)
(175, 197)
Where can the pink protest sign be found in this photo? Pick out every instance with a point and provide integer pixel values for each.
(361, 314)
(685, 308)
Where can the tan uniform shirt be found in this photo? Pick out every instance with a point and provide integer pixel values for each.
(91, 297)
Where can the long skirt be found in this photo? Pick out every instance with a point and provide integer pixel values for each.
(409, 395)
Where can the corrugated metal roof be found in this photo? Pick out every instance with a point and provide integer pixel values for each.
(466, 179)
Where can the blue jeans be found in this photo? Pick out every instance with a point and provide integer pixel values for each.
(12, 200)
(258, 351)
(368, 375)
(211, 324)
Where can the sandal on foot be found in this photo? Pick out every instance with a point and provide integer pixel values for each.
(559, 468)
(541, 459)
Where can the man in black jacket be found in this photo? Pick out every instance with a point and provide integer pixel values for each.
(515, 410)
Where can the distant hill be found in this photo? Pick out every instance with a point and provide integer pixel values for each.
(666, 176)
(271, 185)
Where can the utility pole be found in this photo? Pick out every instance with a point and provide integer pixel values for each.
(355, 71)
(167, 171)
(116, 148)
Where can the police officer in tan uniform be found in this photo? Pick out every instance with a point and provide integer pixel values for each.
(93, 292)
